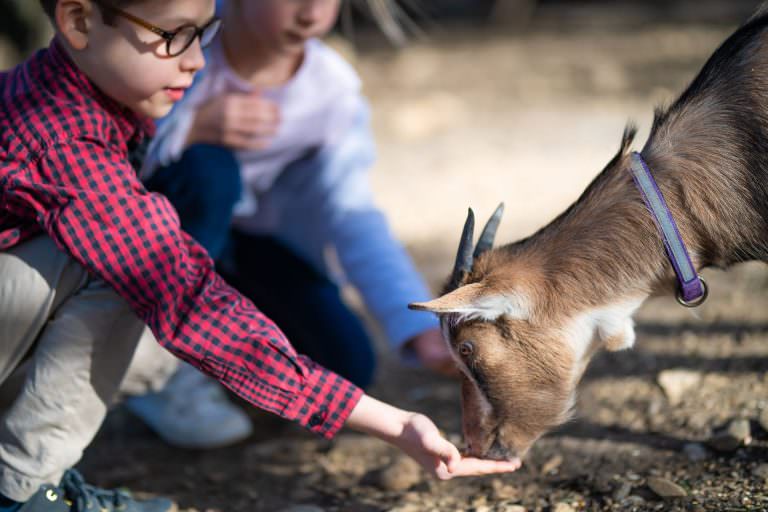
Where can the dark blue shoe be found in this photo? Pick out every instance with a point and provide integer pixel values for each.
(74, 495)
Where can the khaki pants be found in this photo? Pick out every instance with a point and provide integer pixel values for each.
(67, 344)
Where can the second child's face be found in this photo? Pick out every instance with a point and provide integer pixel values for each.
(129, 62)
(283, 26)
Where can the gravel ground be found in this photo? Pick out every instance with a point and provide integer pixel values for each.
(473, 116)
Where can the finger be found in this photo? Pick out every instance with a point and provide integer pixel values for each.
(246, 142)
(470, 466)
(442, 472)
(255, 131)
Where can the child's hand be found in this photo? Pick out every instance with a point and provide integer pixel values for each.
(418, 437)
(237, 121)
(422, 441)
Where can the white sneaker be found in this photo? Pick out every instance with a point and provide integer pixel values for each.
(192, 411)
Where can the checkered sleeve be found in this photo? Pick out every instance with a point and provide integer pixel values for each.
(88, 199)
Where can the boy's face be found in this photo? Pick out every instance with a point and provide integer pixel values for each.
(283, 26)
(128, 62)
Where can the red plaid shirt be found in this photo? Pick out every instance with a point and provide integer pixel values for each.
(65, 172)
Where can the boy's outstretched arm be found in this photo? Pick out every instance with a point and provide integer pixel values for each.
(86, 196)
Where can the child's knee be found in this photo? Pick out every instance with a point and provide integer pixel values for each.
(212, 173)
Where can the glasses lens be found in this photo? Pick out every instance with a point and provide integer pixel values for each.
(209, 32)
(182, 40)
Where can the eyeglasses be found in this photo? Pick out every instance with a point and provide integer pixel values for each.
(176, 41)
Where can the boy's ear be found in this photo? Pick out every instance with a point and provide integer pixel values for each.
(73, 21)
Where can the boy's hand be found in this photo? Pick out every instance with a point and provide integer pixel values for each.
(418, 437)
(422, 441)
(237, 121)
(433, 353)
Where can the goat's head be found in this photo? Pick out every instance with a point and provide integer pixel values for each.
(521, 348)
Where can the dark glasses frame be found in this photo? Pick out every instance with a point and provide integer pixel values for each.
(204, 32)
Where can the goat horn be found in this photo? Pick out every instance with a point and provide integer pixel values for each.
(489, 232)
(464, 255)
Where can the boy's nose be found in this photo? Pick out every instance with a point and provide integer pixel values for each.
(193, 58)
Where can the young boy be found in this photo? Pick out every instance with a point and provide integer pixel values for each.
(269, 155)
(88, 257)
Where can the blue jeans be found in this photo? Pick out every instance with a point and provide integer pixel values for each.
(204, 186)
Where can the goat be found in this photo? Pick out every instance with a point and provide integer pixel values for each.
(523, 320)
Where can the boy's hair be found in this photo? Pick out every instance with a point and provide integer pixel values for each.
(49, 6)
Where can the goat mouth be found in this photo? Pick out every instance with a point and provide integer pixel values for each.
(498, 451)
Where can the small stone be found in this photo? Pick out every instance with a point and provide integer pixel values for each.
(402, 474)
(761, 471)
(736, 434)
(302, 508)
(632, 501)
(512, 508)
(665, 488)
(763, 419)
(695, 452)
(622, 492)
(552, 465)
(503, 491)
(676, 383)
(563, 507)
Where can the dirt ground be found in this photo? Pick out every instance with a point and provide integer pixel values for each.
(471, 117)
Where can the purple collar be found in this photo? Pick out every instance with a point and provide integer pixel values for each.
(692, 290)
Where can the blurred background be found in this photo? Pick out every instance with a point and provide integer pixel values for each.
(483, 101)
(521, 101)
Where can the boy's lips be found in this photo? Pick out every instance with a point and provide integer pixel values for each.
(176, 93)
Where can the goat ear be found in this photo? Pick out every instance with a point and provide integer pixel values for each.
(458, 300)
(475, 301)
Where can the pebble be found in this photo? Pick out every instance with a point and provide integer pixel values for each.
(552, 464)
(761, 471)
(513, 508)
(676, 383)
(402, 474)
(736, 434)
(665, 488)
(302, 508)
(622, 492)
(563, 507)
(695, 452)
(763, 419)
(632, 501)
(503, 491)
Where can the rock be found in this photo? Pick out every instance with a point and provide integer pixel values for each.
(676, 383)
(632, 501)
(736, 434)
(552, 464)
(695, 452)
(302, 508)
(763, 419)
(563, 507)
(622, 491)
(503, 491)
(665, 488)
(761, 471)
(402, 474)
(513, 508)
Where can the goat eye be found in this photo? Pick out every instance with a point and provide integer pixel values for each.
(466, 348)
